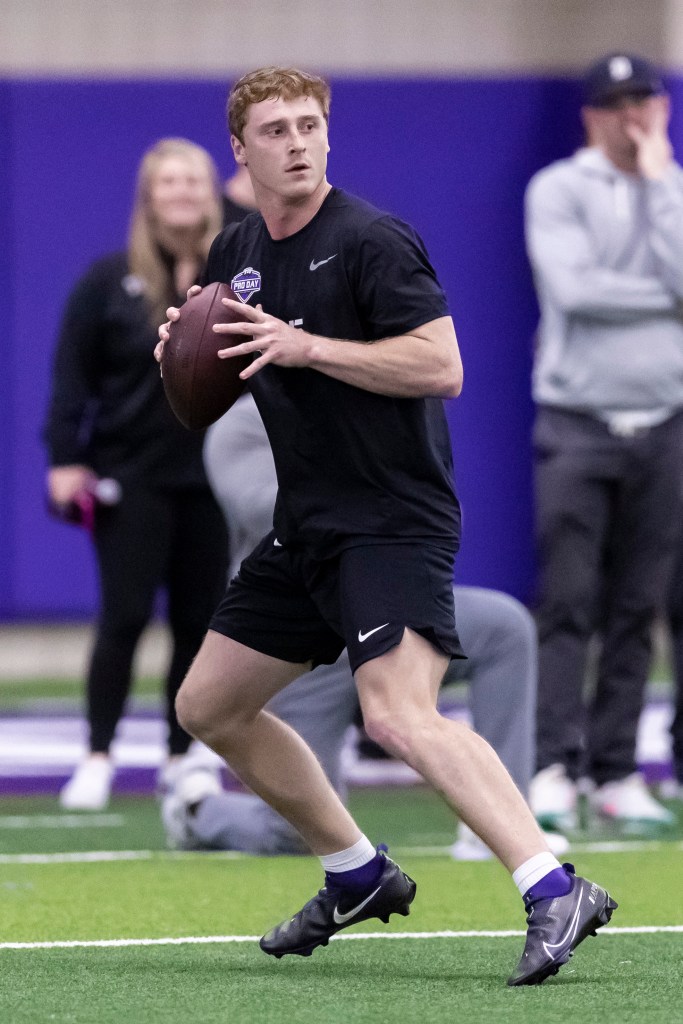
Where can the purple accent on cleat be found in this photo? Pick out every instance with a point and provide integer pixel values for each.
(556, 883)
(357, 880)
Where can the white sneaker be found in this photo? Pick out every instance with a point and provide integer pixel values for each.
(557, 843)
(171, 771)
(629, 800)
(191, 787)
(89, 787)
(670, 789)
(468, 845)
(552, 798)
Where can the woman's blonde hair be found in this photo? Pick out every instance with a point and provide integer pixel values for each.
(266, 83)
(145, 258)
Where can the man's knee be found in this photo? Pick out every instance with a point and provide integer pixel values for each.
(190, 712)
(204, 707)
(514, 621)
(491, 621)
(408, 735)
(397, 692)
(399, 730)
(226, 688)
(388, 732)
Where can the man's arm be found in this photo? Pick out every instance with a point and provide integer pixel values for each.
(664, 192)
(563, 256)
(422, 363)
(426, 362)
(665, 207)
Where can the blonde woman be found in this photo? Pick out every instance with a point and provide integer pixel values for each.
(108, 417)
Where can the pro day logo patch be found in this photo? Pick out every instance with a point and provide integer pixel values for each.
(246, 283)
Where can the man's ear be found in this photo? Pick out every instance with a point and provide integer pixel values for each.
(238, 150)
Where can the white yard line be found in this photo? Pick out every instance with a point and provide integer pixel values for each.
(357, 936)
(22, 821)
(606, 846)
(75, 858)
(93, 856)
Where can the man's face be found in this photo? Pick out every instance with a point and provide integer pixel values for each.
(285, 147)
(608, 127)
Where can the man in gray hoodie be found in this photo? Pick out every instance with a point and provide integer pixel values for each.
(605, 240)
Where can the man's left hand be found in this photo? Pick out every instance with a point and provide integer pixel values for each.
(274, 340)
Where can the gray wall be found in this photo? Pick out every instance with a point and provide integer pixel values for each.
(216, 38)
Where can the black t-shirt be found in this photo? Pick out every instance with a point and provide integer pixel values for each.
(108, 409)
(353, 466)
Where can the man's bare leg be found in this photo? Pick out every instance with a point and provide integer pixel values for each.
(398, 693)
(221, 703)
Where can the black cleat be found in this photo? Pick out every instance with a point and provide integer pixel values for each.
(331, 910)
(557, 926)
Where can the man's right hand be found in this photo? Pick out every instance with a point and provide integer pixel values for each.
(655, 152)
(173, 314)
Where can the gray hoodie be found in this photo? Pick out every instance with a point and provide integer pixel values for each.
(606, 249)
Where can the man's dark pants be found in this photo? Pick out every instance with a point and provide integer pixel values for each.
(608, 512)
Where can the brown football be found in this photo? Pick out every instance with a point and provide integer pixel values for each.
(199, 386)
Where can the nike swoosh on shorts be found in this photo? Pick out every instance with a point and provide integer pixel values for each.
(362, 637)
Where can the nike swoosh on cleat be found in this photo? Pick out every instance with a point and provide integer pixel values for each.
(343, 918)
(363, 636)
(568, 936)
(314, 265)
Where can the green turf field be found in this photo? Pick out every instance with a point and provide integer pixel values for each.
(106, 879)
(134, 934)
(65, 695)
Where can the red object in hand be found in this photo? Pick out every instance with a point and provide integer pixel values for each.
(81, 509)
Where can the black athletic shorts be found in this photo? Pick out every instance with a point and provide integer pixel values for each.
(297, 609)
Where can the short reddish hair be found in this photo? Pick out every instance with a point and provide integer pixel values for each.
(266, 83)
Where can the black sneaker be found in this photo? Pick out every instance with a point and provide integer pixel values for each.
(331, 910)
(557, 926)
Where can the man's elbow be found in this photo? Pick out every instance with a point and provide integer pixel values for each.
(456, 388)
(451, 379)
(453, 390)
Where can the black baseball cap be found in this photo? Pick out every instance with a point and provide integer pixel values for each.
(620, 74)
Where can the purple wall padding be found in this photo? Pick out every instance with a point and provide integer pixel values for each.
(452, 157)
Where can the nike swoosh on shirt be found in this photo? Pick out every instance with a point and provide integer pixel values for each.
(363, 636)
(343, 918)
(314, 265)
(276, 543)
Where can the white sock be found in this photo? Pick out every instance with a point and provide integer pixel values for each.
(360, 853)
(533, 870)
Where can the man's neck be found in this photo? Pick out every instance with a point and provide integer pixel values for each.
(284, 219)
(627, 163)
